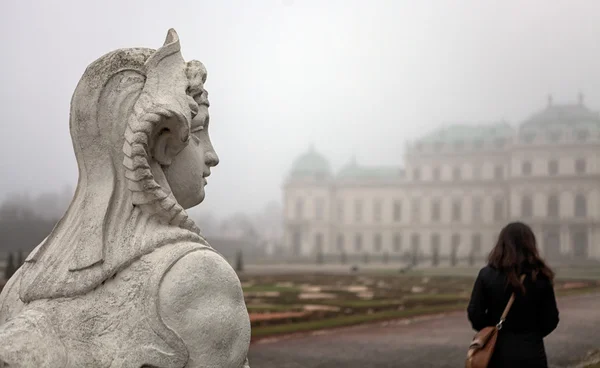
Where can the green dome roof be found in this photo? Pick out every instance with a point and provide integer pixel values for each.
(574, 115)
(311, 163)
(354, 171)
(463, 132)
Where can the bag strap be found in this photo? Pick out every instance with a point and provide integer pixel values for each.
(508, 306)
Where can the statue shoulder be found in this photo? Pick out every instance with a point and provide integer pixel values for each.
(200, 274)
(201, 299)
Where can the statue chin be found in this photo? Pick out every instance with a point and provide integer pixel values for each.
(191, 200)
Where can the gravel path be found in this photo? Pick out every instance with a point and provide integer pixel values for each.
(428, 342)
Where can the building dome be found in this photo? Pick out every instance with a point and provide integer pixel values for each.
(311, 164)
(555, 115)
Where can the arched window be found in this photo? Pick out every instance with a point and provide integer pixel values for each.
(456, 173)
(358, 242)
(526, 168)
(435, 249)
(580, 166)
(319, 208)
(499, 172)
(435, 210)
(397, 242)
(477, 205)
(580, 206)
(552, 167)
(476, 244)
(553, 206)
(415, 243)
(299, 208)
(526, 206)
(498, 209)
(436, 173)
(456, 210)
(416, 174)
(319, 242)
(340, 242)
(377, 242)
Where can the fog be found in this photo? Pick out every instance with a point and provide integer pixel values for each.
(351, 77)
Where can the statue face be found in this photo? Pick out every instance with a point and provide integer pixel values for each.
(187, 174)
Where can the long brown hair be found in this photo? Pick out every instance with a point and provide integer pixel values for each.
(516, 253)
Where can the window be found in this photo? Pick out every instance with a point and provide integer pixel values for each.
(358, 242)
(415, 243)
(415, 207)
(435, 241)
(435, 210)
(527, 137)
(553, 167)
(319, 242)
(580, 206)
(319, 208)
(499, 172)
(458, 145)
(436, 173)
(500, 142)
(526, 168)
(299, 208)
(553, 206)
(456, 210)
(478, 144)
(456, 173)
(583, 135)
(296, 243)
(437, 146)
(377, 242)
(397, 242)
(340, 242)
(477, 204)
(526, 206)
(358, 209)
(476, 244)
(477, 172)
(340, 211)
(455, 242)
(397, 211)
(554, 136)
(498, 210)
(580, 166)
(435, 249)
(416, 174)
(377, 211)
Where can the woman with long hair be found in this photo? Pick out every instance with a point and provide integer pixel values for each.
(534, 313)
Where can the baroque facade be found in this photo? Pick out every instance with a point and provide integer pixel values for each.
(459, 186)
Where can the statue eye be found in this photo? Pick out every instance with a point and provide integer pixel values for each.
(197, 129)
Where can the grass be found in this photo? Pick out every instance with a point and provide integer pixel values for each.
(271, 288)
(344, 321)
(363, 303)
(261, 308)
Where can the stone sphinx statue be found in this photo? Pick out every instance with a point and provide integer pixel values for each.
(126, 279)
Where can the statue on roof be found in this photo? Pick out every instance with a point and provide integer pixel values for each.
(126, 278)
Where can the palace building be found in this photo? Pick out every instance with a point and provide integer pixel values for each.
(459, 186)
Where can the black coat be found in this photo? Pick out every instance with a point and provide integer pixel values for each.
(532, 317)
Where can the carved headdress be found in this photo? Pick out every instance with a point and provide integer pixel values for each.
(119, 211)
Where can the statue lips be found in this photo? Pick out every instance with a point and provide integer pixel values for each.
(204, 176)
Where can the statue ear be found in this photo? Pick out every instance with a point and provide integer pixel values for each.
(167, 142)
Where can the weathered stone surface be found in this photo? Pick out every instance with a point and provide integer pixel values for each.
(126, 278)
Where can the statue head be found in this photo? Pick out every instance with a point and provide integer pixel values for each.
(139, 124)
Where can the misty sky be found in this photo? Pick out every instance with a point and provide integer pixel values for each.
(358, 77)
